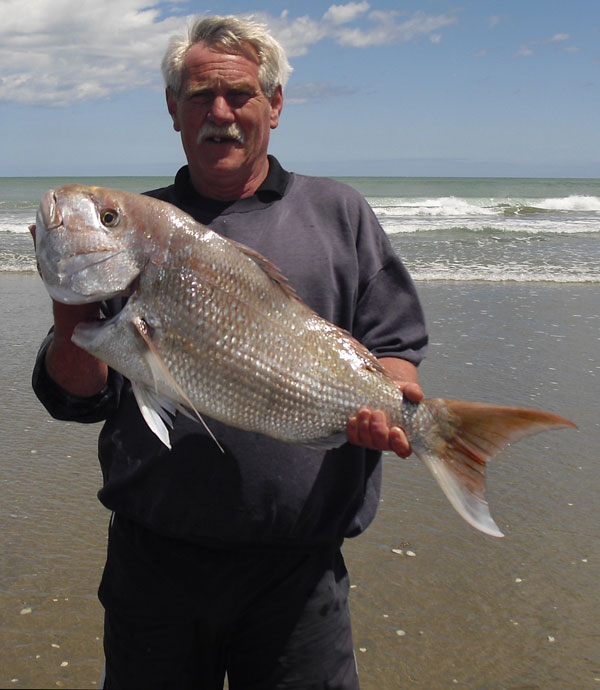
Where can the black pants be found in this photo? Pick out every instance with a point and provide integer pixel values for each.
(178, 615)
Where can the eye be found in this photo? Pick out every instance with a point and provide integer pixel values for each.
(238, 98)
(109, 217)
(202, 96)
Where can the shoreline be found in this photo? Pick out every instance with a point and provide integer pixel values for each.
(419, 281)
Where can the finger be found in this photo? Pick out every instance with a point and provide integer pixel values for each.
(358, 428)
(372, 428)
(352, 431)
(31, 229)
(363, 428)
(399, 443)
(413, 392)
(379, 431)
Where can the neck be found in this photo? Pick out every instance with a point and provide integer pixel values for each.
(229, 186)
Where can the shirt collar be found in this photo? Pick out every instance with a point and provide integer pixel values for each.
(272, 188)
(276, 181)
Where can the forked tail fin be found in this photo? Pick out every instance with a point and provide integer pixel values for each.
(455, 439)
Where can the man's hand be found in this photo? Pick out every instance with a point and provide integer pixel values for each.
(31, 229)
(73, 369)
(370, 428)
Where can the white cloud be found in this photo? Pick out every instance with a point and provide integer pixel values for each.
(299, 94)
(296, 35)
(380, 28)
(387, 29)
(530, 47)
(56, 52)
(341, 14)
(525, 50)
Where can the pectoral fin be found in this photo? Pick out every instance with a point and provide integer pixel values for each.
(155, 411)
(154, 406)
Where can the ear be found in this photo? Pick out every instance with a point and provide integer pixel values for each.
(172, 108)
(276, 107)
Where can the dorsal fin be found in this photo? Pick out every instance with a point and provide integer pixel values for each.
(269, 269)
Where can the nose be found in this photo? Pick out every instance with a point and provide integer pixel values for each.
(220, 111)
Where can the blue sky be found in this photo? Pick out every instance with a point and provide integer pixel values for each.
(415, 87)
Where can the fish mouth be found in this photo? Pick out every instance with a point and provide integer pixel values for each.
(49, 216)
(73, 265)
(57, 270)
(73, 280)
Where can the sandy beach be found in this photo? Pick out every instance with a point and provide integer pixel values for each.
(454, 608)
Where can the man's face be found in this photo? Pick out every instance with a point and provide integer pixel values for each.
(222, 91)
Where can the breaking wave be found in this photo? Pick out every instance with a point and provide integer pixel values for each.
(524, 231)
(458, 207)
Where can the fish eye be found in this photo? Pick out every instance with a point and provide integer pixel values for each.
(109, 217)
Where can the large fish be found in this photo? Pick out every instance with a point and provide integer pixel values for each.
(213, 328)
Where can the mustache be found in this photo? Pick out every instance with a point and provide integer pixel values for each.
(231, 131)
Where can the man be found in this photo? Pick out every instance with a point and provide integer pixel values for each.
(231, 563)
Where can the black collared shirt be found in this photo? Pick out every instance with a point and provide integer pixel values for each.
(205, 209)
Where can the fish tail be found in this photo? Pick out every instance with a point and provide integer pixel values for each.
(456, 439)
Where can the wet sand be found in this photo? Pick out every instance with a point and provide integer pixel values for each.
(454, 609)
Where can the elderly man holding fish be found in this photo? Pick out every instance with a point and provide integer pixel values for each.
(230, 563)
(224, 544)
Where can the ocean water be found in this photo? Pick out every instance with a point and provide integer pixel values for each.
(467, 229)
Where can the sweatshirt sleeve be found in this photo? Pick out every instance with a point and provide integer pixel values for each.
(388, 318)
(62, 405)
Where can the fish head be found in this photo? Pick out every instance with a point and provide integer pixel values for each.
(88, 243)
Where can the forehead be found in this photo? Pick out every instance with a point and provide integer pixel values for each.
(211, 65)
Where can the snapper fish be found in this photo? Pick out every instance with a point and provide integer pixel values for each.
(213, 328)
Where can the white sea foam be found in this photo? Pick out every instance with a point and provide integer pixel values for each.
(571, 203)
(501, 274)
(434, 208)
(455, 207)
(14, 228)
(13, 263)
(393, 226)
(569, 215)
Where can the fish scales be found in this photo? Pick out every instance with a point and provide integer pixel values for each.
(213, 327)
(231, 349)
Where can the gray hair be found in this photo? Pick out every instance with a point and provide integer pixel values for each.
(235, 35)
